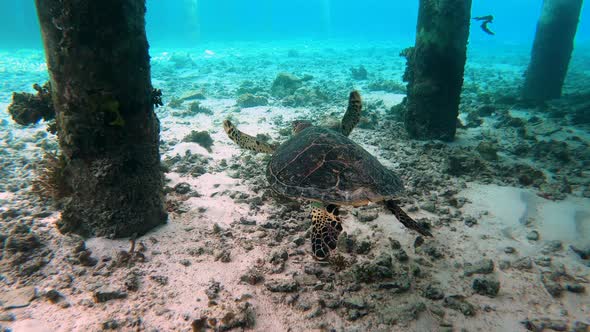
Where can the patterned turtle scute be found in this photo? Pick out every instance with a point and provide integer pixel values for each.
(323, 165)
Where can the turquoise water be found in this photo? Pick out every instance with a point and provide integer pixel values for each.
(188, 22)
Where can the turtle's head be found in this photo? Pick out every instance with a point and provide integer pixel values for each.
(227, 126)
(299, 125)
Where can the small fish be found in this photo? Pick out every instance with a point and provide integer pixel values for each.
(484, 24)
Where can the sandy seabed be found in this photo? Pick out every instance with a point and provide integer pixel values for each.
(235, 256)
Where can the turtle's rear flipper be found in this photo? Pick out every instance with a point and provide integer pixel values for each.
(353, 113)
(486, 29)
(325, 229)
(246, 141)
(405, 219)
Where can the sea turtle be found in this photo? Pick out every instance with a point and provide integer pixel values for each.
(324, 166)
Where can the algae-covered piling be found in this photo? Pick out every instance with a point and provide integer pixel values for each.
(552, 49)
(98, 61)
(435, 67)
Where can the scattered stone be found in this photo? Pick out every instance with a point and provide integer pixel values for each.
(401, 256)
(291, 299)
(401, 314)
(223, 256)
(253, 276)
(193, 109)
(241, 317)
(331, 301)
(182, 61)
(18, 298)
(249, 100)
(85, 258)
(488, 151)
(249, 87)
(470, 221)
(203, 138)
(7, 317)
(428, 206)
(363, 247)
(132, 280)
(580, 327)
(575, 288)
(162, 280)
(388, 86)
(486, 110)
(552, 247)
(247, 222)
(285, 85)
(303, 305)
(399, 285)
(354, 314)
(431, 250)
(395, 245)
(359, 73)
(317, 312)
(524, 263)
(346, 242)
(104, 294)
(282, 286)
(486, 286)
(279, 256)
(550, 281)
(509, 250)
(199, 325)
(182, 188)
(367, 215)
(504, 265)
(542, 324)
(433, 293)
(584, 253)
(354, 302)
(462, 164)
(484, 266)
(212, 291)
(544, 261)
(371, 272)
(111, 324)
(473, 120)
(53, 296)
(533, 236)
(21, 249)
(458, 303)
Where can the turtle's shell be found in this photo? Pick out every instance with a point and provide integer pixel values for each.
(323, 165)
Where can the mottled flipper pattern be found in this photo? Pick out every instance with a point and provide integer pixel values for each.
(353, 113)
(325, 229)
(405, 219)
(246, 141)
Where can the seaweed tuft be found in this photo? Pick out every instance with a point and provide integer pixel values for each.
(51, 177)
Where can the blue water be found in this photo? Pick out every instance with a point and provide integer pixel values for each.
(186, 23)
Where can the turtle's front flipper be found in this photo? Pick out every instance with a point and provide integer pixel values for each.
(325, 229)
(353, 113)
(405, 219)
(246, 141)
